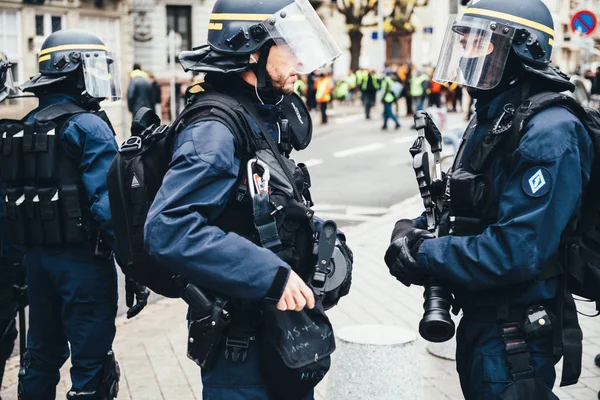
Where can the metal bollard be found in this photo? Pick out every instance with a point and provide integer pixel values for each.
(375, 362)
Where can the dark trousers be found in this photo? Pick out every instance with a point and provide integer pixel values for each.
(323, 107)
(388, 113)
(72, 300)
(240, 380)
(482, 364)
(369, 103)
(435, 99)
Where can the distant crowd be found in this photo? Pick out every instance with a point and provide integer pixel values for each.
(414, 86)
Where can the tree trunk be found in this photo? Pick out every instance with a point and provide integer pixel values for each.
(355, 48)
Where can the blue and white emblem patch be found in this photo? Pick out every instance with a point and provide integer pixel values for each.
(537, 182)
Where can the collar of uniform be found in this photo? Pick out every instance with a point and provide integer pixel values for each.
(55, 98)
(495, 107)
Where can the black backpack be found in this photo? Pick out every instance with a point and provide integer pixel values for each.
(580, 245)
(137, 172)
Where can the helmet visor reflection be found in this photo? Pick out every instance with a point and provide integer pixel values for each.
(101, 75)
(474, 53)
(298, 30)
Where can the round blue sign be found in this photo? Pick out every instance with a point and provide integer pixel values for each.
(584, 22)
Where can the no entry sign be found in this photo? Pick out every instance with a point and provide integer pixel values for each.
(584, 22)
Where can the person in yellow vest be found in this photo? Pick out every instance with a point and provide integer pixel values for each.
(388, 98)
(324, 88)
(370, 86)
(300, 87)
(418, 89)
(361, 76)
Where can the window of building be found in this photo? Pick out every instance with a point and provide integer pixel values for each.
(179, 19)
(107, 28)
(454, 7)
(45, 24)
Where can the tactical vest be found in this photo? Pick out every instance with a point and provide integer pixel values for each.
(292, 216)
(45, 200)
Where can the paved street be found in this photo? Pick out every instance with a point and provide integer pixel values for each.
(362, 178)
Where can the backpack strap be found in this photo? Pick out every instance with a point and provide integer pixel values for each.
(213, 106)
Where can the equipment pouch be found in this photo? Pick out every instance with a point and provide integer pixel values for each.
(468, 193)
(46, 148)
(16, 215)
(32, 210)
(529, 388)
(71, 215)
(28, 154)
(12, 153)
(50, 216)
(295, 349)
(206, 334)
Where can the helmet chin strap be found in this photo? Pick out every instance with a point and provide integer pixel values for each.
(263, 80)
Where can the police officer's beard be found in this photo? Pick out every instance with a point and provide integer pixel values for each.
(278, 80)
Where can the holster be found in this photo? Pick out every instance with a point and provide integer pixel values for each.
(206, 333)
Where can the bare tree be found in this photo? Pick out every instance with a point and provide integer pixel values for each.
(355, 12)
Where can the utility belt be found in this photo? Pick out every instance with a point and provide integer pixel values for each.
(46, 216)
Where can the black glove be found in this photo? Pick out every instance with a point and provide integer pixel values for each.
(400, 257)
(140, 293)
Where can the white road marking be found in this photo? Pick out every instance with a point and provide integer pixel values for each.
(359, 210)
(313, 162)
(404, 140)
(358, 150)
(350, 118)
(344, 217)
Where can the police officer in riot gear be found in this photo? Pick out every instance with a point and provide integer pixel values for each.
(505, 208)
(10, 256)
(54, 163)
(201, 224)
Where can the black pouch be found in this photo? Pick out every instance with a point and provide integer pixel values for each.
(45, 146)
(12, 153)
(530, 388)
(295, 350)
(50, 215)
(71, 215)
(28, 151)
(32, 210)
(468, 192)
(16, 215)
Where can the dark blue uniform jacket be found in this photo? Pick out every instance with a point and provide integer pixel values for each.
(515, 249)
(195, 191)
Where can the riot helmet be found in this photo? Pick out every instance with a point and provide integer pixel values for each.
(495, 37)
(7, 86)
(80, 61)
(240, 28)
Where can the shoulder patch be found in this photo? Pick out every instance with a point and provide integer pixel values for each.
(537, 181)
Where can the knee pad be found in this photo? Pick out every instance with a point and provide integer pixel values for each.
(109, 387)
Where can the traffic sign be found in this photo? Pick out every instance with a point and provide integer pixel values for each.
(584, 22)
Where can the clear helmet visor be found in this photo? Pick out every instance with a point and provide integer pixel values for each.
(298, 30)
(474, 52)
(101, 75)
(7, 84)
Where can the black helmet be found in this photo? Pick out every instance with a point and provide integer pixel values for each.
(492, 33)
(80, 54)
(534, 36)
(235, 25)
(239, 28)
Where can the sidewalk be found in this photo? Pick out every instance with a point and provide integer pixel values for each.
(151, 349)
